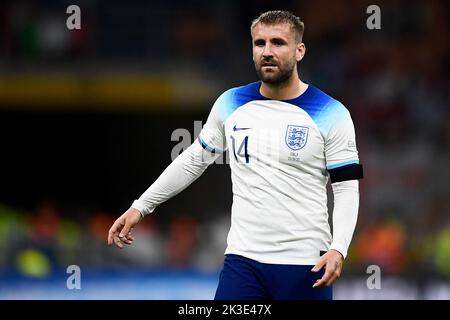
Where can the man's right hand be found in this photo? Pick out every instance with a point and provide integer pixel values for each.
(120, 232)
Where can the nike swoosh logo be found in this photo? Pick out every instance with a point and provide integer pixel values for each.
(237, 129)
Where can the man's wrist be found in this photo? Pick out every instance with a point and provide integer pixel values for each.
(139, 207)
(338, 251)
(140, 212)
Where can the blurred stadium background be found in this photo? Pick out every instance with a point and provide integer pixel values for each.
(86, 123)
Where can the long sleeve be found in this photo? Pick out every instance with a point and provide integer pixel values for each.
(184, 170)
(345, 214)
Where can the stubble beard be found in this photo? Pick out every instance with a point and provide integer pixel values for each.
(277, 78)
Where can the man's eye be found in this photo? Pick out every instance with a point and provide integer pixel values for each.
(259, 43)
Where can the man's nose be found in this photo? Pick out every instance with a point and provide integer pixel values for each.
(267, 51)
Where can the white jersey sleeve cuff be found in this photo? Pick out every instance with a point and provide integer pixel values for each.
(142, 207)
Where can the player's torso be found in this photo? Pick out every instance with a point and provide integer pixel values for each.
(279, 182)
(274, 135)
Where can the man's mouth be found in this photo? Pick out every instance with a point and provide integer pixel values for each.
(268, 64)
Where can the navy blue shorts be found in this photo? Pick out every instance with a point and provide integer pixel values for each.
(246, 279)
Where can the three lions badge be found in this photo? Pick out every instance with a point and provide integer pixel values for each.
(296, 137)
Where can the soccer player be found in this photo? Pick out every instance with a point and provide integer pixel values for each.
(286, 139)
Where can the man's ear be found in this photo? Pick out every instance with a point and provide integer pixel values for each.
(300, 51)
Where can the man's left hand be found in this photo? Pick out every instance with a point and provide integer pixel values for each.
(332, 260)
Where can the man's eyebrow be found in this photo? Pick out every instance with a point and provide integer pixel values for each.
(279, 40)
(259, 40)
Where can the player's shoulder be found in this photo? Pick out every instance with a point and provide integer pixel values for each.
(234, 98)
(325, 110)
(325, 102)
(250, 88)
(242, 94)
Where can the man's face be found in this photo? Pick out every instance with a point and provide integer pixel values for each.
(275, 52)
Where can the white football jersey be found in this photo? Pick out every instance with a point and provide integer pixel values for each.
(280, 154)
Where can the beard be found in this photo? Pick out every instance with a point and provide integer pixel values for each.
(278, 74)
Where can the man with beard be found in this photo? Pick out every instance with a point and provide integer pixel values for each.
(286, 138)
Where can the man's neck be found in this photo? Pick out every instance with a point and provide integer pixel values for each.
(290, 89)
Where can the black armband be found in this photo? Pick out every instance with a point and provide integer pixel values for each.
(344, 173)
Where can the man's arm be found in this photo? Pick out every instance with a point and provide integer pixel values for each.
(342, 163)
(184, 170)
(345, 214)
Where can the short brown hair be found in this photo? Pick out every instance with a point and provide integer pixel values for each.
(279, 16)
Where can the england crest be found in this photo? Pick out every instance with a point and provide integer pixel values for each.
(296, 137)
